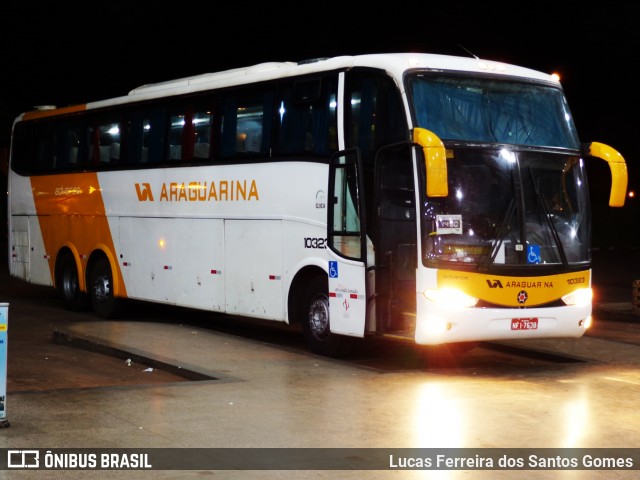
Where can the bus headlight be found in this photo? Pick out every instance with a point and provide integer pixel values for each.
(450, 297)
(580, 297)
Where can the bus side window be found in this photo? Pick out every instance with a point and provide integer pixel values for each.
(25, 155)
(229, 128)
(68, 152)
(154, 136)
(180, 133)
(110, 134)
(247, 124)
(374, 117)
(307, 117)
(249, 130)
(202, 123)
(374, 111)
(104, 144)
(73, 140)
(46, 151)
(38, 144)
(190, 133)
(137, 133)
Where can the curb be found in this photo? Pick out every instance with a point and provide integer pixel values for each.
(98, 346)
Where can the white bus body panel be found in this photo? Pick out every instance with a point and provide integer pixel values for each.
(225, 254)
(253, 268)
(200, 263)
(28, 259)
(178, 260)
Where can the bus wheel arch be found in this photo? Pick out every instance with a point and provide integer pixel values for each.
(67, 281)
(101, 287)
(309, 305)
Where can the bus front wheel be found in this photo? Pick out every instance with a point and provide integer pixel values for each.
(316, 323)
(104, 303)
(68, 284)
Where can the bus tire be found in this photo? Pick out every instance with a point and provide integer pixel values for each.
(316, 323)
(68, 284)
(104, 303)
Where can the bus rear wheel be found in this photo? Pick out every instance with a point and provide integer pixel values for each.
(316, 325)
(68, 284)
(104, 303)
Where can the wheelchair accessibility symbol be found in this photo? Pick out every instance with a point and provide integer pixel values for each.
(533, 254)
(333, 269)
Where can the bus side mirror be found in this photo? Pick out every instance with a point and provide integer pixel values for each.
(618, 166)
(435, 160)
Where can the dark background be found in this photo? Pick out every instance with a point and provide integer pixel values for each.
(66, 53)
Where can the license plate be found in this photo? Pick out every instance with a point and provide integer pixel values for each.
(524, 324)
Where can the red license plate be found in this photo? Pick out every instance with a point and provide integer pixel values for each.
(524, 324)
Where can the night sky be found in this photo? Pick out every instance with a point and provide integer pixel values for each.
(66, 53)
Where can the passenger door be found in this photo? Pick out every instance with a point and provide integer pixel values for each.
(347, 245)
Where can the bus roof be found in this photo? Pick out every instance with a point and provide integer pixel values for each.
(394, 63)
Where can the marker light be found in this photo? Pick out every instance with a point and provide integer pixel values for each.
(450, 297)
(580, 297)
(586, 323)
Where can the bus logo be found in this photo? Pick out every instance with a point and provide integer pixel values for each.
(522, 296)
(144, 192)
(494, 283)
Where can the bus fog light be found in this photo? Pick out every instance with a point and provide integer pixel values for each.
(450, 297)
(436, 327)
(580, 297)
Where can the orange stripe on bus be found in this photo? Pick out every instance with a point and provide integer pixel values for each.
(53, 112)
(71, 213)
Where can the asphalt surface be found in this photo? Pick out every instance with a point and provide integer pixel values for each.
(38, 357)
(41, 356)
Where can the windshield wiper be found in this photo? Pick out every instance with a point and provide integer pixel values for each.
(547, 215)
(499, 235)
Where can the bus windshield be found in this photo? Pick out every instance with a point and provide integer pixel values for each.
(508, 207)
(517, 185)
(477, 109)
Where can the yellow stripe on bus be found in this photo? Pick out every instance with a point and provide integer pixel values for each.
(71, 214)
(506, 290)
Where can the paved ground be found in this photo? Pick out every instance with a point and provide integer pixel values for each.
(40, 360)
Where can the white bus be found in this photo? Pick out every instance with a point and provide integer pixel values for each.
(427, 197)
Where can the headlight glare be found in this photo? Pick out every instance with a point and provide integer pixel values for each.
(450, 297)
(580, 297)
